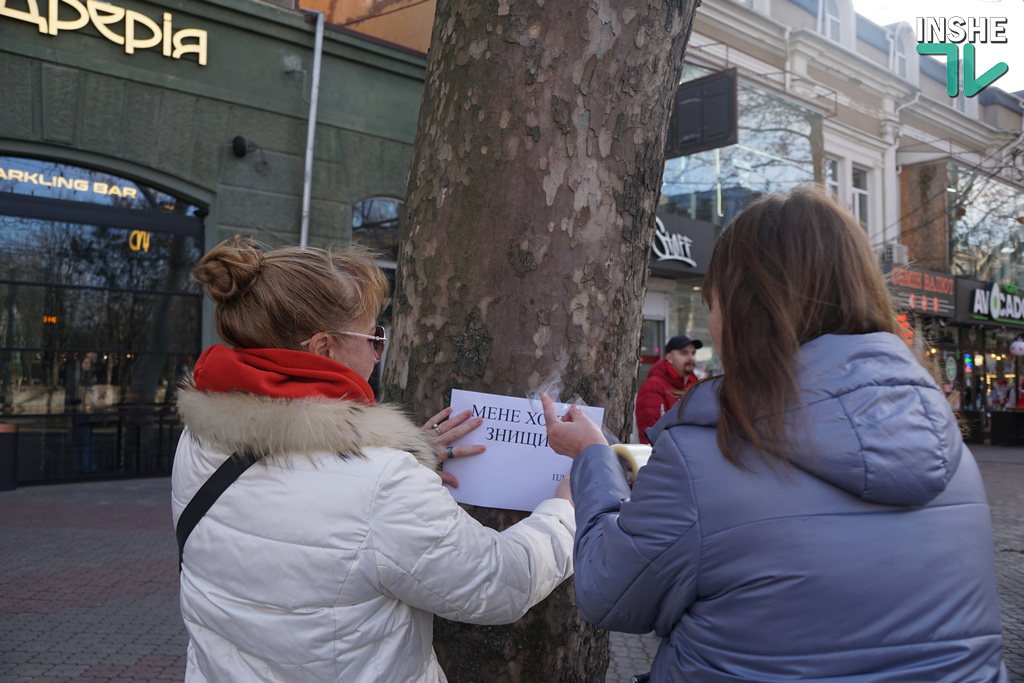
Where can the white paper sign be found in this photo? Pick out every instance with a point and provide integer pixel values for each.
(518, 470)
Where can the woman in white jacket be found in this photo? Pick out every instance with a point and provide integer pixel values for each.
(327, 559)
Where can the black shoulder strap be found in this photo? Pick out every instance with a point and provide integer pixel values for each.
(207, 495)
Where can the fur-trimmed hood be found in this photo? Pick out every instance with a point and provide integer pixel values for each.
(240, 422)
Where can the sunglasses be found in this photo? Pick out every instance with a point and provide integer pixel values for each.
(377, 340)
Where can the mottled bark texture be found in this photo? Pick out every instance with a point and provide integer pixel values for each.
(525, 246)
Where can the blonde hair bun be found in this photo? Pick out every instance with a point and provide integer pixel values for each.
(228, 270)
(278, 298)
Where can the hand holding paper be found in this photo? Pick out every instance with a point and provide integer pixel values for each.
(573, 432)
(519, 469)
(444, 429)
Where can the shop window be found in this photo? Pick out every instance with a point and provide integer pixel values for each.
(652, 338)
(775, 153)
(100, 318)
(860, 196)
(986, 225)
(376, 224)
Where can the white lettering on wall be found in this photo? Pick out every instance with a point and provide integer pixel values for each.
(998, 305)
(671, 247)
(139, 32)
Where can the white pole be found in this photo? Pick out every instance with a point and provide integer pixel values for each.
(307, 185)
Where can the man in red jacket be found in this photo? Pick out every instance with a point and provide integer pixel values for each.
(667, 381)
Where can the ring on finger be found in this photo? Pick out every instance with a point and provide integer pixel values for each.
(437, 428)
(451, 452)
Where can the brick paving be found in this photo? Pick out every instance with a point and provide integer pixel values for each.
(89, 584)
(88, 581)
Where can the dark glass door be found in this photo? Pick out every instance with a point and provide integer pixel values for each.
(100, 319)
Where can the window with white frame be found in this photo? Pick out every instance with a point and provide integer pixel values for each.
(376, 223)
(904, 60)
(859, 195)
(959, 102)
(901, 57)
(832, 176)
(831, 24)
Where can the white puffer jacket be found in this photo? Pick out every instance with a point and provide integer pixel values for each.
(318, 566)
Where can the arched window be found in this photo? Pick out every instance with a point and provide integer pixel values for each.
(832, 24)
(376, 223)
(904, 58)
(901, 58)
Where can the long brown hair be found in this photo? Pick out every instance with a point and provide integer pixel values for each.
(787, 269)
(279, 298)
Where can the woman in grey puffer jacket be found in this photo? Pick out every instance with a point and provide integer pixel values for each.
(812, 514)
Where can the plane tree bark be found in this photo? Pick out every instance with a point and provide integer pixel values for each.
(524, 251)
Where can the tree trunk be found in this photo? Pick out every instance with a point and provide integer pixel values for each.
(530, 213)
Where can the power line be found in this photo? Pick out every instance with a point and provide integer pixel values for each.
(358, 20)
(927, 202)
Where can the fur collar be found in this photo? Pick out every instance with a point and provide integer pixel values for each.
(237, 422)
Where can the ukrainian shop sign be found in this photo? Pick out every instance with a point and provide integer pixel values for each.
(922, 291)
(121, 26)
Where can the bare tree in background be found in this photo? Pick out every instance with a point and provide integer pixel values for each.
(530, 212)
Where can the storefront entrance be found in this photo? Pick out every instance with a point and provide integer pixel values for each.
(100, 319)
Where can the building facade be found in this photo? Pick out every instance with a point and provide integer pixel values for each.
(135, 136)
(827, 96)
(934, 180)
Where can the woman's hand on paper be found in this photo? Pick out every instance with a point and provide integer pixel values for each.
(571, 433)
(444, 428)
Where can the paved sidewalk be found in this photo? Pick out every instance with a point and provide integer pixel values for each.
(89, 584)
(88, 581)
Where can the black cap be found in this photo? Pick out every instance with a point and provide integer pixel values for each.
(681, 340)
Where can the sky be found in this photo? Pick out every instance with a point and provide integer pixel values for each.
(1012, 52)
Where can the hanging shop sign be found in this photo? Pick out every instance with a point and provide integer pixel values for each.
(134, 30)
(682, 246)
(922, 291)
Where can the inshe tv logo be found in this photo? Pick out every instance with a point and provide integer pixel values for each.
(941, 36)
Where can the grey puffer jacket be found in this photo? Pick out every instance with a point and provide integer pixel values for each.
(870, 560)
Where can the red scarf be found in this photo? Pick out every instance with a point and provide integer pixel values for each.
(278, 373)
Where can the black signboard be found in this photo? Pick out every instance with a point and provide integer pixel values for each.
(681, 247)
(704, 115)
(922, 291)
